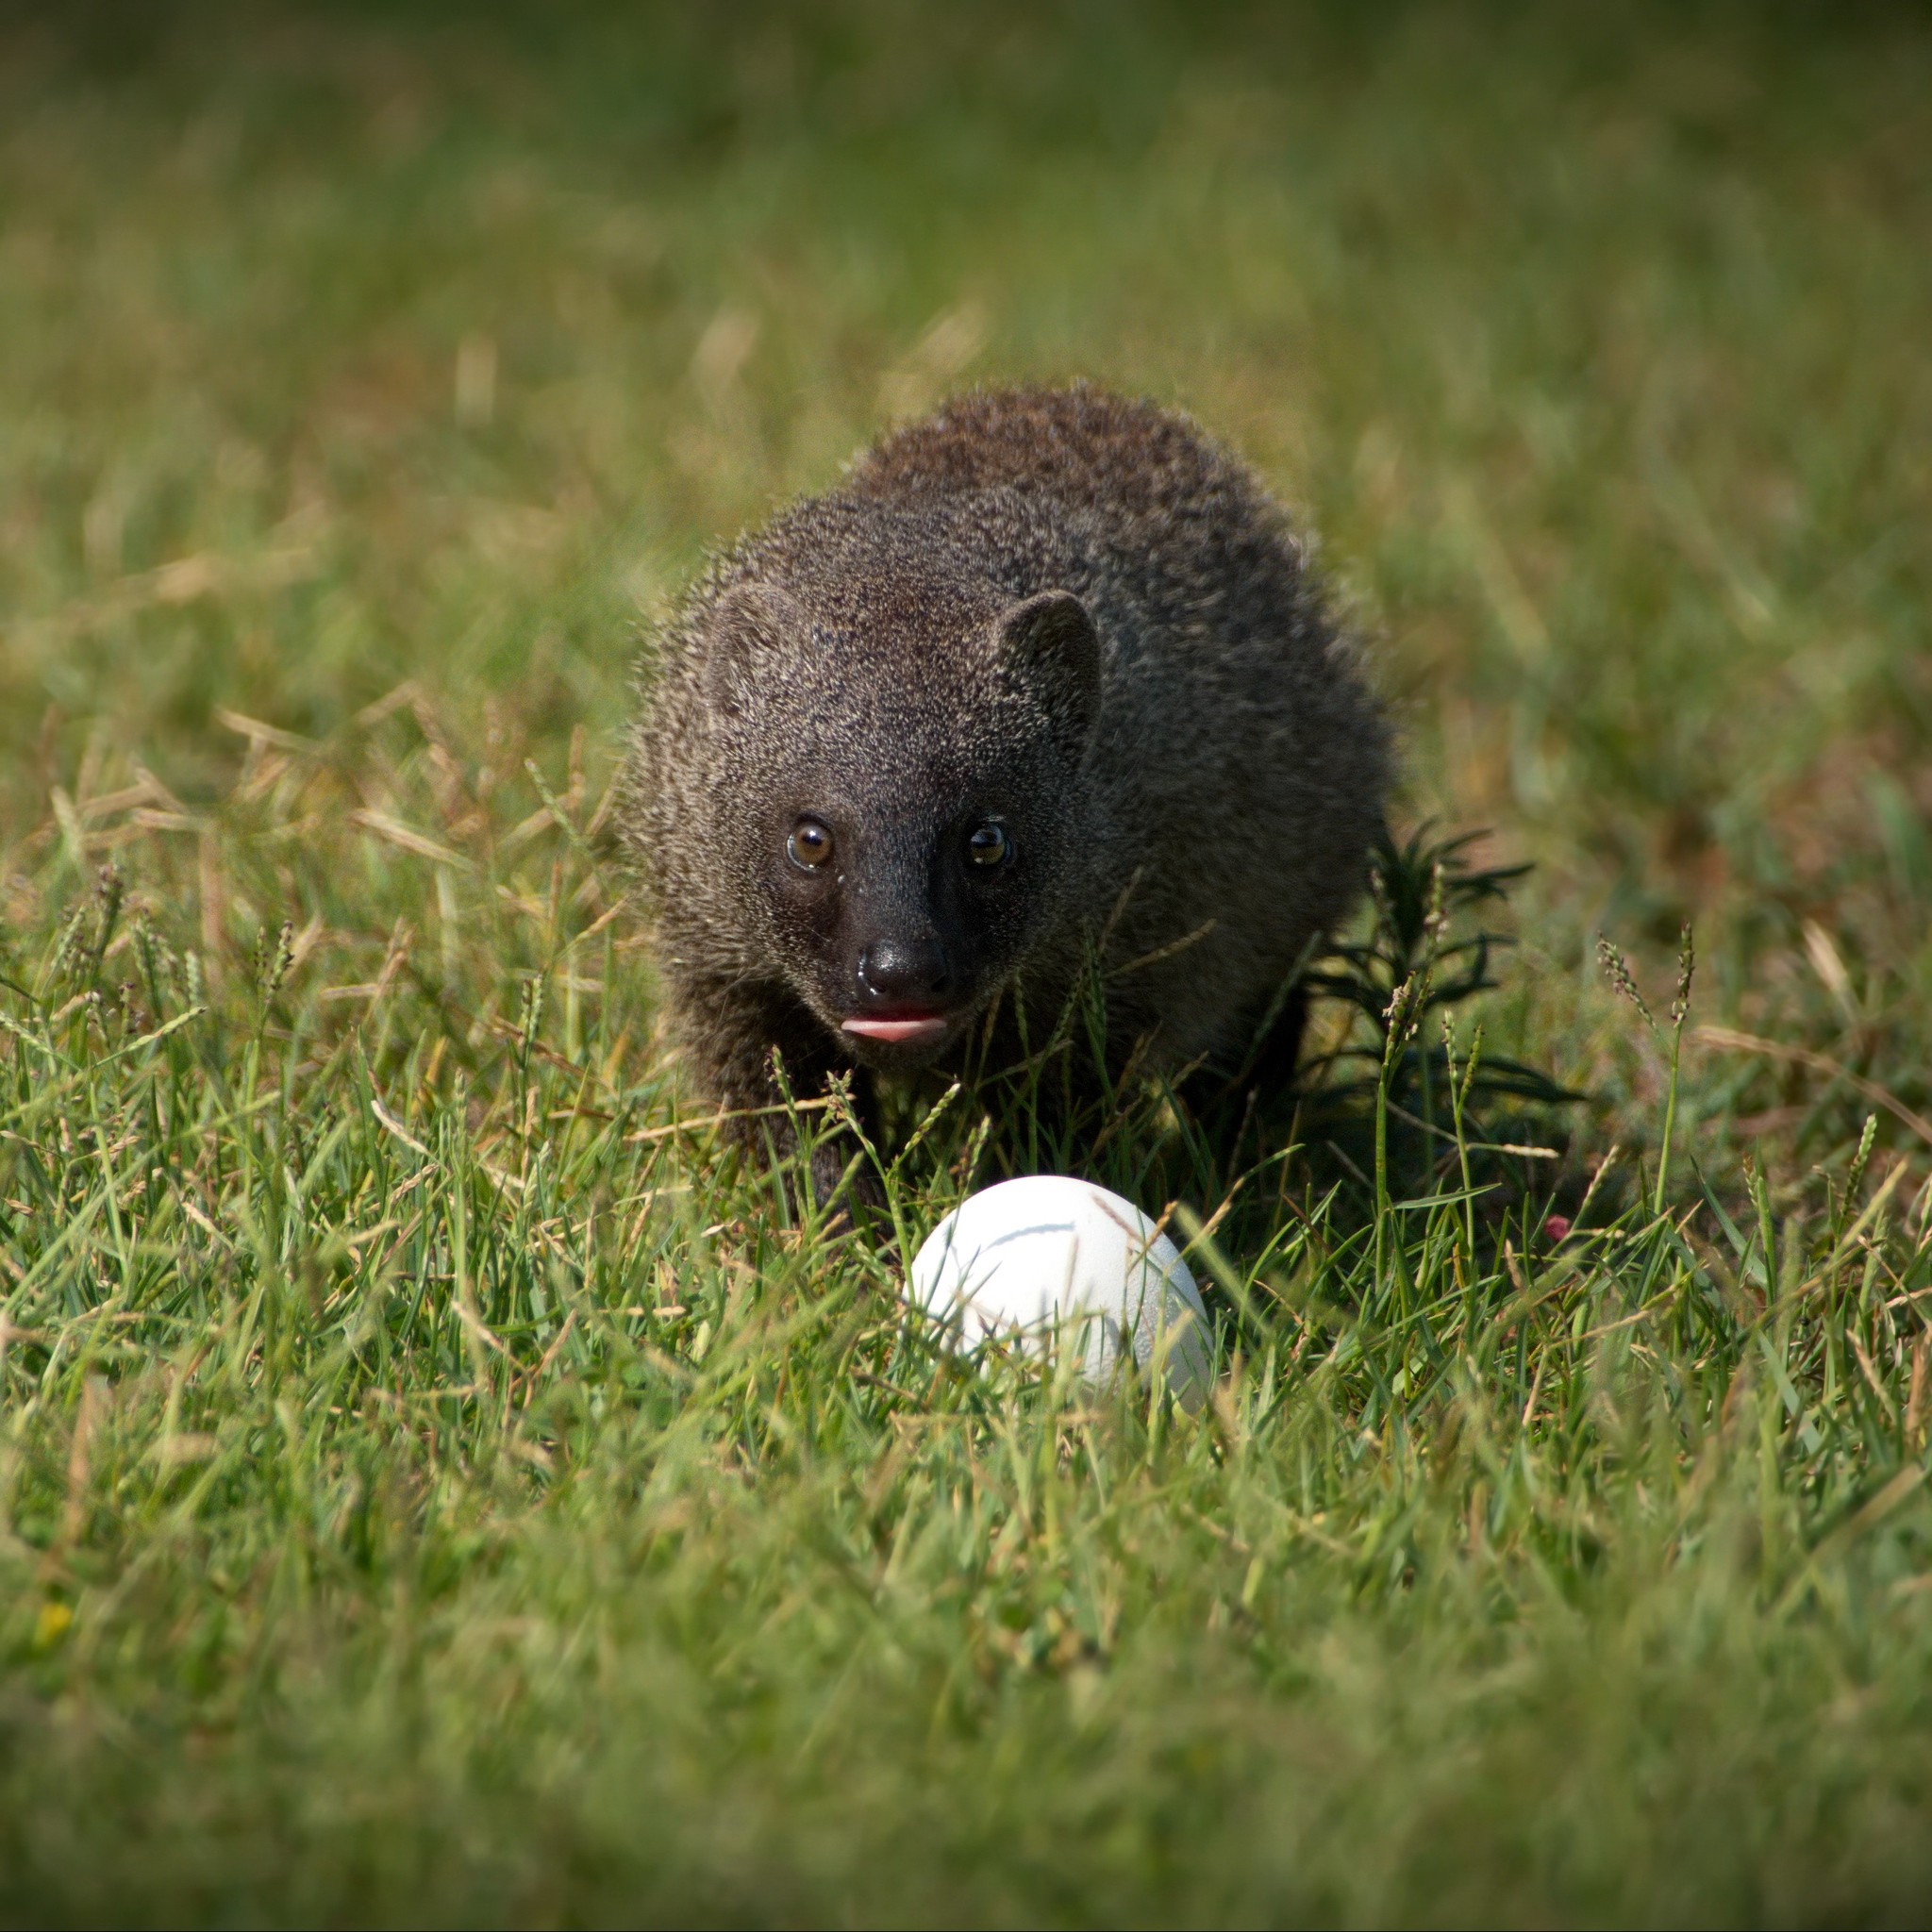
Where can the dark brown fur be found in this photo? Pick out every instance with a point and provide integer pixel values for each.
(887, 660)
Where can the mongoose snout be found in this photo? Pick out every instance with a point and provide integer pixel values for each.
(1049, 671)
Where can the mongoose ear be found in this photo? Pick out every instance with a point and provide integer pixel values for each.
(748, 621)
(1048, 645)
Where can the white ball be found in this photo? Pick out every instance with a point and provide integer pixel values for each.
(1044, 1256)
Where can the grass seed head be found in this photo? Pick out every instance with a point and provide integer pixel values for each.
(272, 959)
(1618, 974)
(1686, 967)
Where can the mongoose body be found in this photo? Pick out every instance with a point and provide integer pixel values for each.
(1048, 669)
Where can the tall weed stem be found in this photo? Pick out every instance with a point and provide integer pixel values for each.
(1680, 1011)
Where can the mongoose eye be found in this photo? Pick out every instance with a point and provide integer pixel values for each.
(811, 844)
(988, 845)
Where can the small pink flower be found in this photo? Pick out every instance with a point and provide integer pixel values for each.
(1557, 1226)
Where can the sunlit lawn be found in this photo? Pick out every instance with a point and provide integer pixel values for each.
(435, 1485)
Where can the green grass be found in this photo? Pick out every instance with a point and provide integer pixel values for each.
(435, 1484)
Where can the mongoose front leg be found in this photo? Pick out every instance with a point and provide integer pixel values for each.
(736, 1040)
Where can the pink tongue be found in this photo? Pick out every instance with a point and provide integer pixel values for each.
(897, 1029)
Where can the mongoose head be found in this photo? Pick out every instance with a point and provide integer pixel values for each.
(896, 762)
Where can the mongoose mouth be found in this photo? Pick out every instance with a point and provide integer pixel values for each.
(919, 1029)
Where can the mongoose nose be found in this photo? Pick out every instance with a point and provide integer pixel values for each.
(902, 972)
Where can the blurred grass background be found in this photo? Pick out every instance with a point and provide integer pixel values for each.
(370, 376)
(352, 344)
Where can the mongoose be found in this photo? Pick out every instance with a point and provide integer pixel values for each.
(1048, 664)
